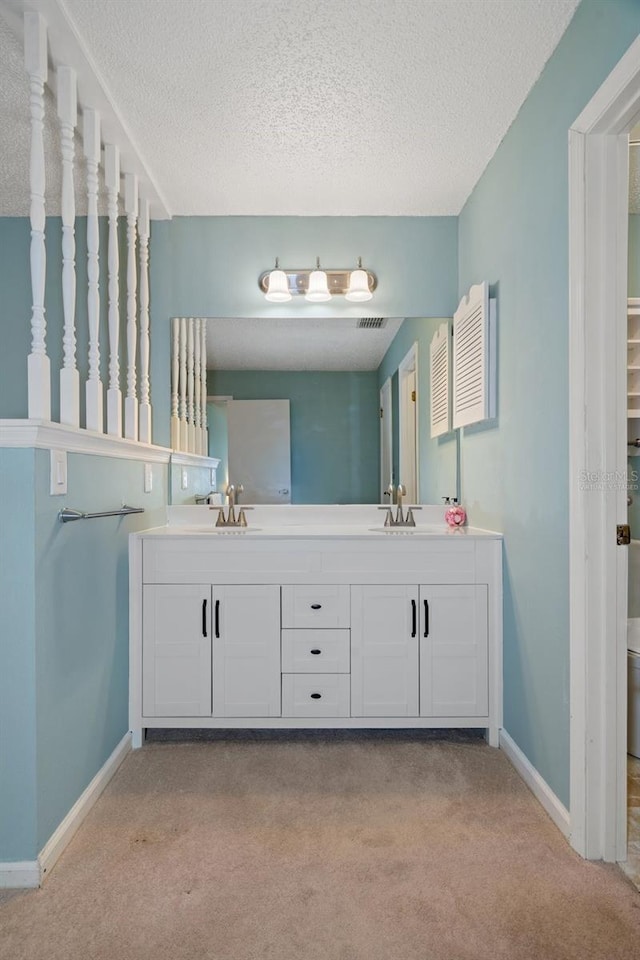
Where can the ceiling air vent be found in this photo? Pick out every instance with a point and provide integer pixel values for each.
(372, 323)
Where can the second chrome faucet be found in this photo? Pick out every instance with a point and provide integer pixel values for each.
(401, 519)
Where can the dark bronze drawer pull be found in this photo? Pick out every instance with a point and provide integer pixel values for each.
(316, 606)
(316, 652)
(316, 696)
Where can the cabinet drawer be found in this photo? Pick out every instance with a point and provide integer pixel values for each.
(315, 651)
(315, 695)
(315, 606)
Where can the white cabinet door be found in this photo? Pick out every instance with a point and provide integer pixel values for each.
(453, 651)
(246, 651)
(176, 650)
(384, 651)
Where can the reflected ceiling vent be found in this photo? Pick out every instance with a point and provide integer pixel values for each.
(372, 323)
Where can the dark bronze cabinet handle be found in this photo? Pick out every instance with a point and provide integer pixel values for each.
(413, 618)
(204, 618)
(316, 696)
(316, 652)
(218, 619)
(316, 606)
(426, 618)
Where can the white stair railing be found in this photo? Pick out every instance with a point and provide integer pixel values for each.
(203, 388)
(197, 406)
(114, 394)
(38, 366)
(175, 370)
(184, 430)
(144, 434)
(68, 117)
(131, 401)
(190, 384)
(94, 395)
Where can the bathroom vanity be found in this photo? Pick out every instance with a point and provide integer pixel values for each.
(315, 617)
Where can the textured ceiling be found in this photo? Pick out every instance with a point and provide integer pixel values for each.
(288, 344)
(294, 107)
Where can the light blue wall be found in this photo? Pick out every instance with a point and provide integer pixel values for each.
(18, 806)
(64, 608)
(514, 234)
(198, 484)
(209, 266)
(437, 458)
(334, 428)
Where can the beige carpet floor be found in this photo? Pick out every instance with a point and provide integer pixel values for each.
(368, 850)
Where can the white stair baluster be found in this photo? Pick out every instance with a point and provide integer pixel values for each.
(190, 380)
(175, 368)
(197, 433)
(38, 366)
(145, 401)
(69, 376)
(203, 388)
(94, 395)
(131, 400)
(114, 394)
(184, 432)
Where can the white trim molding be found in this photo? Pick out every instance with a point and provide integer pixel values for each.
(19, 874)
(598, 209)
(537, 784)
(32, 873)
(64, 833)
(46, 435)
(182, 459)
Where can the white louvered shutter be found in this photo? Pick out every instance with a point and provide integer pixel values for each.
(440, 365)
(473, 358)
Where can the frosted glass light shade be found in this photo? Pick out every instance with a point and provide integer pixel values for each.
(358, 290)
(277, 287)
(318, 291)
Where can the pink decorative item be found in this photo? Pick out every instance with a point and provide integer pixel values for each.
(455, 516)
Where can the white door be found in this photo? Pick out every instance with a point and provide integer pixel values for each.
(176, 650)
(259, 446)
(384, 651)
(408, 425)
(453, 651)
(386, 441)
(246, 651)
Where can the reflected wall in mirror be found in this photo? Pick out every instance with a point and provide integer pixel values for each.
(338, 376)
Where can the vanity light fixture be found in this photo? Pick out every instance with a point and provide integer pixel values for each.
(317, 290)
(318, 285)
(277, 286)
(359, 290)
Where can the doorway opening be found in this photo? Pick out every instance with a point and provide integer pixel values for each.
(598, 242)
(408, 424)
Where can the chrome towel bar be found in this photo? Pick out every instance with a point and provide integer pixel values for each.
(66, 515)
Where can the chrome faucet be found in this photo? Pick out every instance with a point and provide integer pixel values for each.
(231, 520)
(401, 519)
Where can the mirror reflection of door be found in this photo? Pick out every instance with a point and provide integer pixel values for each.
(386, 441)
(259, 449)
(408, 390)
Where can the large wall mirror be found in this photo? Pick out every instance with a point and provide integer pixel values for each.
(324, 410)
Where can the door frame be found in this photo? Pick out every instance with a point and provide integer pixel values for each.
(598, 234)
(409, 364)
(386, 433)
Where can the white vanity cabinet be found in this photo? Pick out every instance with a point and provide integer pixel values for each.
(210, 650)
(295, 630)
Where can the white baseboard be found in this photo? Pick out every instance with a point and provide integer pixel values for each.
(19, 873)
(65, 831)
(538, 786)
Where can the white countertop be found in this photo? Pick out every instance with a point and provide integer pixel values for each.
(350, 521)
